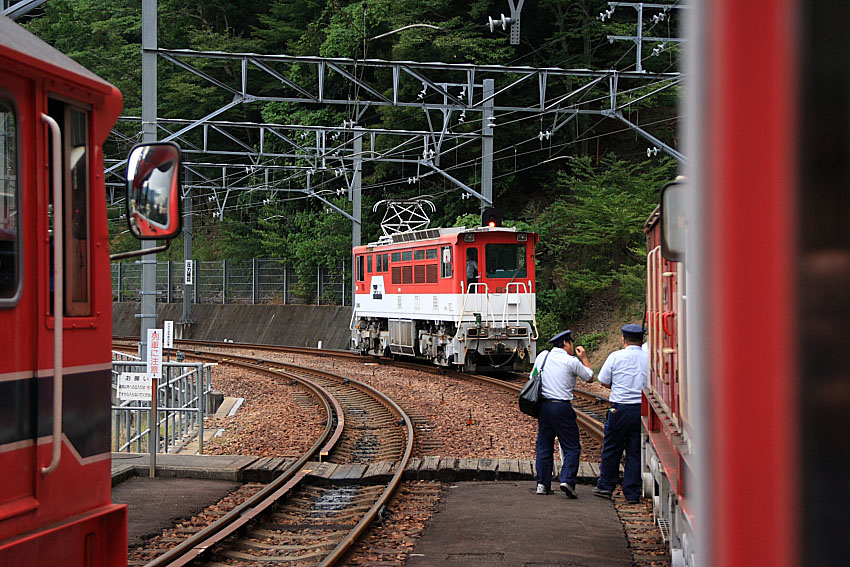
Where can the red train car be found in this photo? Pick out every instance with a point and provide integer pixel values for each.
(55, 309)
(458, 297)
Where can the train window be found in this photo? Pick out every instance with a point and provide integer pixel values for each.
(431, 254)
(505, 261)
(396, 256)
(360, 268)
(406, 274)
(431, 273)
(369, 264)
(418, 254)
(9, 232)
(406, 256)
(76, 213)
(446, 264)
(73, 122)
(419, 274)
(386, 258)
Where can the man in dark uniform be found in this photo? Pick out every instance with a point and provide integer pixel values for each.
(624, 372)
(561, 366)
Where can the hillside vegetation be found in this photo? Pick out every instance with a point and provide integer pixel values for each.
(586, 189)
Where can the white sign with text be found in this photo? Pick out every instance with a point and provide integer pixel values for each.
(168, 335)
(134, 386)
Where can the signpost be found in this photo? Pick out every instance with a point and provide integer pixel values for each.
(154, 372)
(189, 272)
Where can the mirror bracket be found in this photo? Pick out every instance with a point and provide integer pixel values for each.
(134, 253)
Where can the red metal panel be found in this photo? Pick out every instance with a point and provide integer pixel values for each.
(749, 175)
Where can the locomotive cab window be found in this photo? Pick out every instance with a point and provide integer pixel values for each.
(360, 268)
(9, 227)
(446, 262)
(74, 125)
(505, 261)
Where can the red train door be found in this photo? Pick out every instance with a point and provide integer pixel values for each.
(18, 305)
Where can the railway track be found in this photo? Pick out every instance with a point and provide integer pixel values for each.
(590, 408)
(290, 520)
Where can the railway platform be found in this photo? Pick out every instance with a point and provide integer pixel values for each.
(482, 524)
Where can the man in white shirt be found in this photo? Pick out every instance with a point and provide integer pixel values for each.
(624, 372)
(560, 368)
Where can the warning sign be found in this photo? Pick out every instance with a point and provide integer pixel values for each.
(134, 386)
(155, 353)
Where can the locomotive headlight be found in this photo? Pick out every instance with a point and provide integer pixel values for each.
(522, 237)
(469, 237)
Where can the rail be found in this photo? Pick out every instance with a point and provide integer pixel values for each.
(190, 549)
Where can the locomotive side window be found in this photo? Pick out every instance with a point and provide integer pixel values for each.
(505, 261)
(431, 254)
(396, 256)
(418, 254)
(360, 268)
(73, 122)
(9, 232)
(407, 256)
(446, 263)
(369, 264)
(76, 213)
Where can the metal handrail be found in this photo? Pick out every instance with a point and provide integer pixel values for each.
(58, 292)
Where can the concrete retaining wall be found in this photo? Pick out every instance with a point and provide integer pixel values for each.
(288, 325)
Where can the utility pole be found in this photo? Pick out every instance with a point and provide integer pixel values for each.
(149, 94)
(355, 205)
(487, 144)
(189, 289)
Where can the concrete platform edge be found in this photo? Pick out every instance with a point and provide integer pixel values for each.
(253, 469)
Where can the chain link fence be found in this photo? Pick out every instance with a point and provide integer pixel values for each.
(237, 281)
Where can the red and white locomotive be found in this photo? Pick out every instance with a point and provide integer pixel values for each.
(56, 305)
(456, 296)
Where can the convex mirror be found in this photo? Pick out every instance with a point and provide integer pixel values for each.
(153, 191)
(674, 220)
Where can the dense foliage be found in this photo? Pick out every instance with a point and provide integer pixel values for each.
(587, 188)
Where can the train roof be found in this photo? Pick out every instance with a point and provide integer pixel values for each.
(29, 55)
(430, 234)
(22, 45)
(653, 218)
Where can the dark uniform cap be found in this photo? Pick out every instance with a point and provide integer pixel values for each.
(632, 331)
(564, 336)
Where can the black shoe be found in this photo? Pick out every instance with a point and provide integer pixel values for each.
(602, 493)
(569, 490)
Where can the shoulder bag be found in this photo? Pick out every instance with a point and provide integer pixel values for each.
(529, 397)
